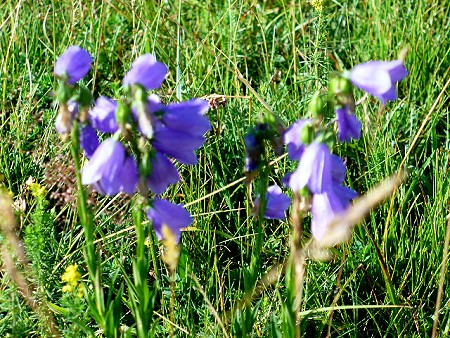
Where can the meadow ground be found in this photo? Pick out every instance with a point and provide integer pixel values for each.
(241, 55)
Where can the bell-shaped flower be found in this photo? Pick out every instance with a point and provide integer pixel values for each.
(348, 125)
(379, 78)
(253, 152)
(314, 169)
(179, 145)
(324, 208)
(110, 170)
(147, 72)
(73, 64)
(187, 117)
(103, 115)
(337, 169)
(88, 140)
(334, 200)
(293, 139)
(276, 203)
(164, 213)
(164, 173)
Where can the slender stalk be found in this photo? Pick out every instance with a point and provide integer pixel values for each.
(91, 257)
(297, 259)
(440, 294)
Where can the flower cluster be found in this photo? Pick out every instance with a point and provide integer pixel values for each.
(72, 277)
(320, 174)
(145, 135)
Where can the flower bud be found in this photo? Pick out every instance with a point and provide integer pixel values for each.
(63, 92)
(340, 86)
(317, 105)
(307, 134)
(84, 97)
(123, 114)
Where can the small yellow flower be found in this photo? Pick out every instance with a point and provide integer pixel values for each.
(37, 190)
(317, 4)
(72, 279)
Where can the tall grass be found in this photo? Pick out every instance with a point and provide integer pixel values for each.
(284, 51)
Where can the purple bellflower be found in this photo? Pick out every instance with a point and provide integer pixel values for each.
(326, 205)
(73, 64)
(103, 115)
(110, 170)
(253, 152)
(324, 208)
(348, 125)
(164, 173)
(276, 204)
(314, 169)
(164, 213)
(179, 128)
(88, 140)
(179, 145)
(147, 72)
(292, 138)
(187, 117)
(379, 78)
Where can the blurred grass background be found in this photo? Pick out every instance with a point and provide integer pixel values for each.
(285, 50)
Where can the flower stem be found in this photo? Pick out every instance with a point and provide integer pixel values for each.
(92, 258)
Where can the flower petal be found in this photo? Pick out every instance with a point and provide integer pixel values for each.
(164, 173)
(147, 72)
(103, 115)
(175, 216)
(74, 63)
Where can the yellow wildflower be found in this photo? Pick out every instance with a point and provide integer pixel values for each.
(72, 279)
(317, 4)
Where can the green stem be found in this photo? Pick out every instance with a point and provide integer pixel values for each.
(86, 219)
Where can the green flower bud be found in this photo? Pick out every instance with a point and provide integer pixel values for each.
(123, 113)
(63, 92)
(84, 97)
(340, 86)
(317, 104)
(307, 134)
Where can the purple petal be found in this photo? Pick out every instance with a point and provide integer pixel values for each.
(103, 115)
(147, 72)
(104, 166)
(129, 176)
(313, 170)
(344, 193)
(337, 169)
(164, 173)
(175, 216)
(154, 103)
(397, 70)
(390, 95)
(88, 140)
(349, 125)
(253, 152)
(109, 170)
(324, 208)
(292, 138)
(178, 145)
(74, 63)
(187, 117)
(277, 203)
(379, 78)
